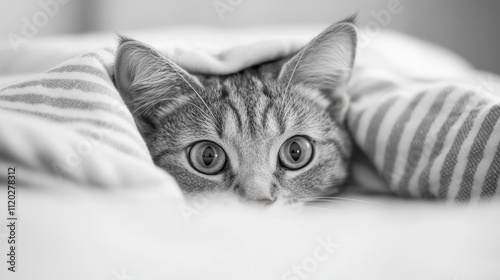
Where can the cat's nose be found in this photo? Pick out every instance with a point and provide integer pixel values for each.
(255, 195)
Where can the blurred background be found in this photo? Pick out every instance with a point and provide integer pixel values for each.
(470, 28)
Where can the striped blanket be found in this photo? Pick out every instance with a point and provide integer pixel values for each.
(69, 126)
(434, 138)
(429, 138)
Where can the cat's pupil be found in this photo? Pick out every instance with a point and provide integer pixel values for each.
(208, 156)
(295, 151)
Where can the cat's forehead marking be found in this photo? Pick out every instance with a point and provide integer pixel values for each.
(254, 108)
(251, 107)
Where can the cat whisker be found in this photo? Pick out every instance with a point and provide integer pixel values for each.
(149, 105)
(286, 96)
(294, 69)
(320, 208)
(195, 91)
(306, 200)
(290, 98)
(337, 198)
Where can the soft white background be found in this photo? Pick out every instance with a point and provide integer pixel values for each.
(470, 28)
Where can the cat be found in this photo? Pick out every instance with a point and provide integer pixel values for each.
(274, 132)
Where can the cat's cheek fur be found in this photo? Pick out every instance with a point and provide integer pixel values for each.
(309, 184)
(190, 182)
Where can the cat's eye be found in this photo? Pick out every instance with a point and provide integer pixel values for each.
(207, 157)
(296, 152)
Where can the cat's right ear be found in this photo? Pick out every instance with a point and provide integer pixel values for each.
(325, 64)
(150, 84)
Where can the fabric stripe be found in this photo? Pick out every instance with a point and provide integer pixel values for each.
(56, 92)
(417, 144)
(485, 164)
(374, 127)
(80, 76)
(83, 69)
(97, 57)
(453, 116)
(491, 182)
(365, 111)
(66, 103)
(476, 153)
(395, 136)
(67, 84)
(114, 144)
(64, 119)
(451, 157)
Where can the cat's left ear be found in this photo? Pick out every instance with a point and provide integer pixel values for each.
(150, 84)
(325, 65)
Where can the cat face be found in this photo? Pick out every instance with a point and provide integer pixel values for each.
(273, 132)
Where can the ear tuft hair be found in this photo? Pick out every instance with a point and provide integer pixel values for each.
(353, 19)
(123, 39)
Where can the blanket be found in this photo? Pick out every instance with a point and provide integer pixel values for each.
(428, 135)
(69, 126)
(417, 154)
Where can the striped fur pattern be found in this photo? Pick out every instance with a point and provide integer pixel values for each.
(250, 114)
(436, 140)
